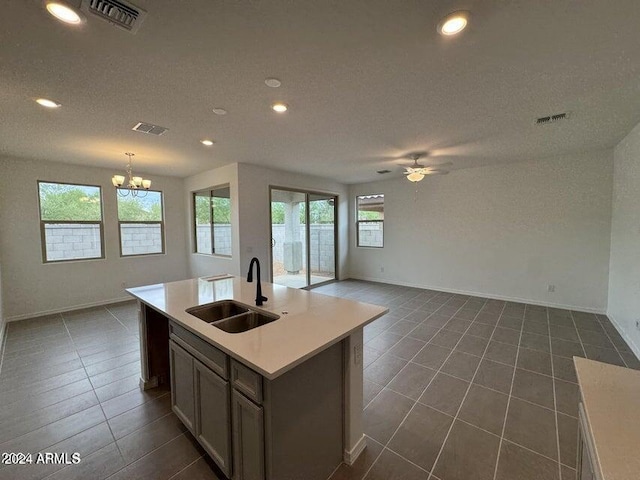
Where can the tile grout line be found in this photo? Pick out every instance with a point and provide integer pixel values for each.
(430, 381)
(429, 315)
(416, 402)
(137, 459)
(202, 456)
(480, 428)
(60, 419)
(455, 418)
(183, 434)
(117, 319)
(614, 345)
(112, 358)
(92, 386)
(490, 359)
(584, 351)
(555, 401)
(504, 423)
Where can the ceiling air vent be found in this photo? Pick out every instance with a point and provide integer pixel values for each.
(552, 118)
(119, 13)
(382, 172)
(149, 128)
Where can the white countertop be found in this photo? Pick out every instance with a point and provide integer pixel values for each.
(313, 322)
(611, 401)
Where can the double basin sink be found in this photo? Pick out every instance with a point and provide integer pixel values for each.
(231, 316)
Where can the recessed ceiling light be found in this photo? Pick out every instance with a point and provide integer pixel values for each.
(64, 12)
(45, 102)
(453, 23)
(279, 107)
(208, 143)
(219, 111)
(273, 82)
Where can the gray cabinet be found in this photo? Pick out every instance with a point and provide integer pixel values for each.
(182, 398)
(212, 416)
(289, 428)
(248, 439)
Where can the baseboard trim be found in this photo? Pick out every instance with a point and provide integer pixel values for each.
(100, 303)
(634, 347)
(482, 294)
(148, 384)
(350, 456)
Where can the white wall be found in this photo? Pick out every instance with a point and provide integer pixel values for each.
(255, 230)
(502, 231)
(250, 209)
(2, 322)
(624, 269)
(33, 288)
(201, 264)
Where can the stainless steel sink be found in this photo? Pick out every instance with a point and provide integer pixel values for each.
(245, 321)
(231, 316)
(212, 312)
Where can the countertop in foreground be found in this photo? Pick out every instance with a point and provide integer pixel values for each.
(611, 401)
(312, 323)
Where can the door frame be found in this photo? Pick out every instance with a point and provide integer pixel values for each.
(306, 193)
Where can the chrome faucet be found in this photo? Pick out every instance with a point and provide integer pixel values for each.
(259, 297)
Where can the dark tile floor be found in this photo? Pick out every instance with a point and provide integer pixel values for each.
(69, 383)
(468, 388)
(456, 387)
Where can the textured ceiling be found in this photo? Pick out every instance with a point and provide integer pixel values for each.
(367, 81)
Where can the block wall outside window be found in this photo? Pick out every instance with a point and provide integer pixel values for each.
(141, 222)
(71, 224)
(212, 221)
(370, 223)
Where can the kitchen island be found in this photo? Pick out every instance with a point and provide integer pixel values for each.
(283, 400)
(609, 421)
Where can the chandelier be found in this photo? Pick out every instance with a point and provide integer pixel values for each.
(135, 186)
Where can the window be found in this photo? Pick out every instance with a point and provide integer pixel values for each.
(70, 221)
(212, 211)
(141, 223)
(370, 220)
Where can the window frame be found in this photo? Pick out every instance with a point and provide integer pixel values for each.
(199, 193)
(358, 221)
(145, 222)
(43, 223)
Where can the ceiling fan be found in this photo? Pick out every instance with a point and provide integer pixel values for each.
(417, 172)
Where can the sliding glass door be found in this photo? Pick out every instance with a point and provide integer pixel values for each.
(303, 238)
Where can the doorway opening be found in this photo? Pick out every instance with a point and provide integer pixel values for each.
(303, 237)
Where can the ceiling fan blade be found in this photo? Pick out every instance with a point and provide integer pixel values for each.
(436, 171)
(445, 164)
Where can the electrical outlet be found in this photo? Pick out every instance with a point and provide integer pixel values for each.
(551, 288)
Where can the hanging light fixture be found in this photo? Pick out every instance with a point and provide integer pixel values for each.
(135, 185)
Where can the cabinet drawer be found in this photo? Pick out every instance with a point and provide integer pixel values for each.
(246, 381)
(212, 357)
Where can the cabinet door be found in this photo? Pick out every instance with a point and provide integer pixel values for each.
(213, 419)
(181, 364)
(248, 439)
